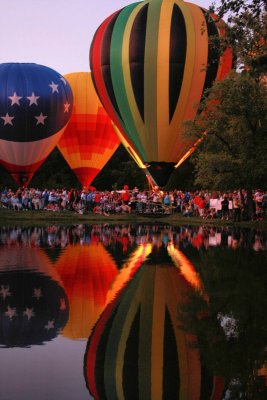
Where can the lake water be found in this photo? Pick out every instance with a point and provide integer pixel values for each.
(133, 312)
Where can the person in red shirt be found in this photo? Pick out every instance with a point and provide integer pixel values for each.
(201, 206)
(125, 196)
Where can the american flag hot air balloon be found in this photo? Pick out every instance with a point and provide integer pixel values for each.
(35, 107)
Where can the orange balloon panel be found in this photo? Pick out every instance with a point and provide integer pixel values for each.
(87, 273)
(90, 138)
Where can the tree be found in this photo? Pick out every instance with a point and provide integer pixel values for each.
(245, 32)
(121, 169)
(233, 150)
(55, 172)
(238, 7)
(232, 154)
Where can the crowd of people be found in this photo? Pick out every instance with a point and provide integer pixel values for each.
(231, 205)
(123, 239)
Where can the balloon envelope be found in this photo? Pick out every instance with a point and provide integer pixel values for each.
(35, 106)
(151, 62)
(89, 140)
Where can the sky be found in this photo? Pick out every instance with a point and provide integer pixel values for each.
(54, 33)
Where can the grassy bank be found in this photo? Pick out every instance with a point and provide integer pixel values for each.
(31, 218)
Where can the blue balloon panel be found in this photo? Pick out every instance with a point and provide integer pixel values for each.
(35, 102)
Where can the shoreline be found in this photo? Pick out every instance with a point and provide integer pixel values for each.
(37, 218)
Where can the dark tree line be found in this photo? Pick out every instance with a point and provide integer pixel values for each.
(119, 170)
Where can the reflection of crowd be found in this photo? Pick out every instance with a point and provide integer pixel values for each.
(207, 205)
(125, 237)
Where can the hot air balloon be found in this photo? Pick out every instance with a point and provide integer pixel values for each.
(35, 106)
(89, 140)
(33, 304)
(137, 349)
(151, 62)
(87, 273)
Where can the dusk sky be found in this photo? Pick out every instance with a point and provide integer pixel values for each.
(55, 33)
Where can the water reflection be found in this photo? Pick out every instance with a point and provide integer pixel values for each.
(137, 349)
(33, 304)
(87, 273)
(230, 320)
(133, 311)
(121, 240)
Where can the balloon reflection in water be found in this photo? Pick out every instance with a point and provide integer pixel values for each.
(128, 270)
(137, 349)
(33, 304)
(87, 272)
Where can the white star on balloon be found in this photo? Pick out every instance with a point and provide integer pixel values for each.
(63, 80)
(37, 293)
(50, 325)
(15, 99)
(29, 313)
(8, 119)
(54, 87)
(66, 107)
(33, 99)
(4, 292)
(11, 312)
(40, 119)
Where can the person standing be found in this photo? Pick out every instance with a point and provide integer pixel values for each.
(225, 207)
(236, 208)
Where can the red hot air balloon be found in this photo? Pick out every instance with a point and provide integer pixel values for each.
(89, 140)
(151, 63)
(35, 107)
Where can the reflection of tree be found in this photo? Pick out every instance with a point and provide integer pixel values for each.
(231, 325)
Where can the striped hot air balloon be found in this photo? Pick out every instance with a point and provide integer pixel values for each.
(90, 139)
(151, 62)
(35, 106)
(137, 349)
